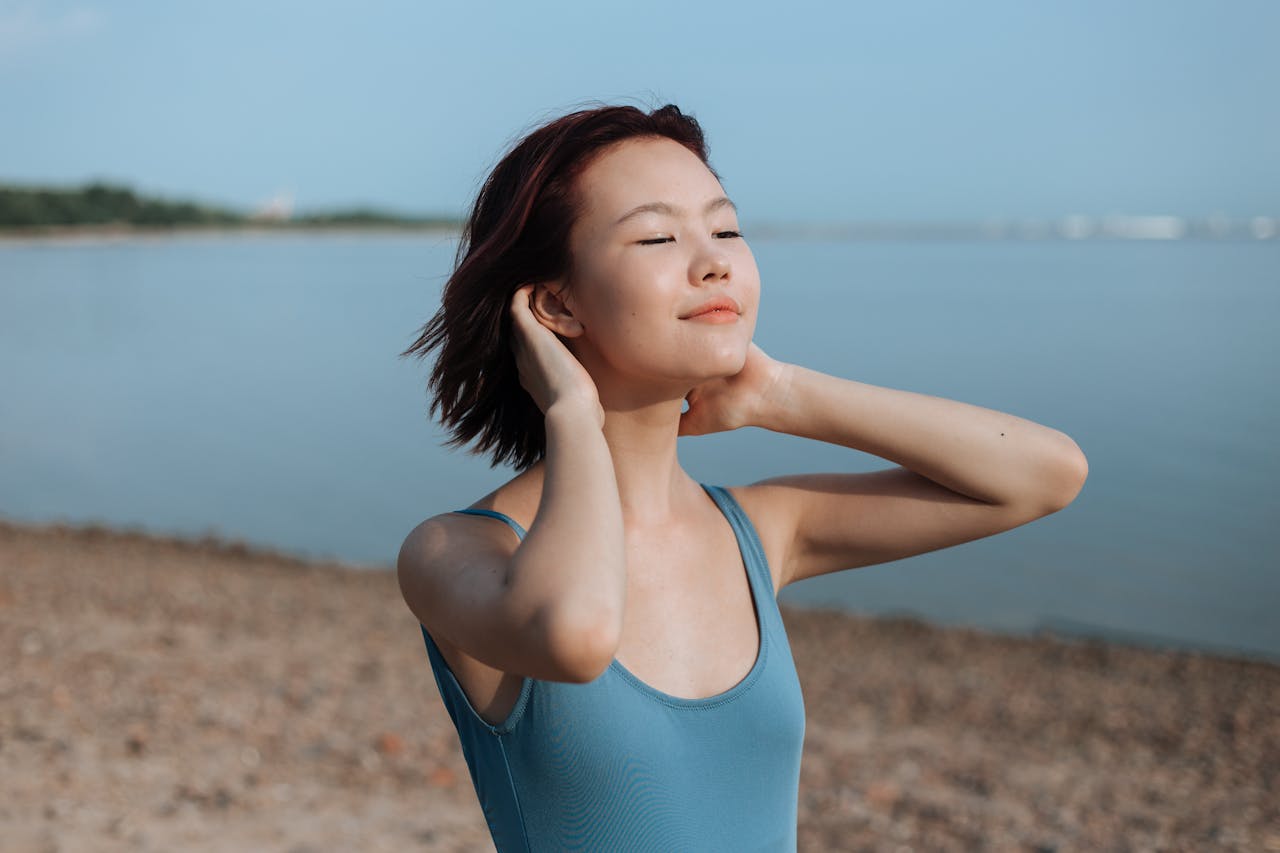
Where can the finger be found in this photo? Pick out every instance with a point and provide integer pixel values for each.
(521, 298)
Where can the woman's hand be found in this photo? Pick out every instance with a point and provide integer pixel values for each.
(548, 371)
(736, 401)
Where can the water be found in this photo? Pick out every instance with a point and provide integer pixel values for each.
(250, 386)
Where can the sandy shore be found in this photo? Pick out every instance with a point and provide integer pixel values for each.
(167, 695)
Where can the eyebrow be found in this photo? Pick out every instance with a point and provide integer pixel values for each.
(672, 210)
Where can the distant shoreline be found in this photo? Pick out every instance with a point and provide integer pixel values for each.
(129, 233)
(844, 233)
(104, 211)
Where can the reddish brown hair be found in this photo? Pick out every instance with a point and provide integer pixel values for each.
(518, 233)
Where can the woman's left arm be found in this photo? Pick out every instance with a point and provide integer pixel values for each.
(965, 472)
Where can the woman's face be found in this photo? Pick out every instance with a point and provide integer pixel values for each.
(655, 240)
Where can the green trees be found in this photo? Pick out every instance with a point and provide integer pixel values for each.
(103, 204)
(100, 204)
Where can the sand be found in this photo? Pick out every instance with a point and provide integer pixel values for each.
(162, 694)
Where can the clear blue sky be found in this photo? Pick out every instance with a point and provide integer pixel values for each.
(814, 111)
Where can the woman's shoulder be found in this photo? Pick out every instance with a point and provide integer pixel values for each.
(771, 515)
(758, 500)
(517, 499)
(451, 531)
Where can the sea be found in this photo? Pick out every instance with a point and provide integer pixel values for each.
(249, 386)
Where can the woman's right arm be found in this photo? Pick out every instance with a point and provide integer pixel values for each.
(551, 605)
(571, 564)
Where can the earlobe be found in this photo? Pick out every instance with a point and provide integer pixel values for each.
(549, 306)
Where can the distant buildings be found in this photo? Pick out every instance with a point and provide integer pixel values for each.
(1074, 227)
(278, 209)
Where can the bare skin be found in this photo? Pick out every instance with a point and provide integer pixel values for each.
(611, 357)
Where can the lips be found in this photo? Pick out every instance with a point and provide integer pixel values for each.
(719, 303)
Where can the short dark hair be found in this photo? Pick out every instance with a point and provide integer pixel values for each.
(518, 233)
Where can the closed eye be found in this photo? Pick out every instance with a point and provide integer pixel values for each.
(657, 240)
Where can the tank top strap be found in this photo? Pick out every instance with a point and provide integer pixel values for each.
(752, 548)
(493, 513)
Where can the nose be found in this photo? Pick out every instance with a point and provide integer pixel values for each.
(713, 265)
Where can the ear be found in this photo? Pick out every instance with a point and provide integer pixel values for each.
(551, 307)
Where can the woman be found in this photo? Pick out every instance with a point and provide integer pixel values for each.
(603, 629)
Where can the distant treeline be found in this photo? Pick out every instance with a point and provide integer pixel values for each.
(100, 204)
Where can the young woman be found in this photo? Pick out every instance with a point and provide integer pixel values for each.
(604, 629)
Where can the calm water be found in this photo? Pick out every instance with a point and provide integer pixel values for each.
(250, 386)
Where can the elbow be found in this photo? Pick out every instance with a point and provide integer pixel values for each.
(1072, 469)
(585, 646)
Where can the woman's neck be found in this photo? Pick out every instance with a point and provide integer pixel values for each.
(652, 486)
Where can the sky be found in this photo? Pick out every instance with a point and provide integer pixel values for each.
(814, 112)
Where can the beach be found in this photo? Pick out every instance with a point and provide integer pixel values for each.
(202, 695)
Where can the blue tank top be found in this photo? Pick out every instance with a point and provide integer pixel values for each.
(617, 765)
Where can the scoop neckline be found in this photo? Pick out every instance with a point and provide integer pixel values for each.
(747, 554)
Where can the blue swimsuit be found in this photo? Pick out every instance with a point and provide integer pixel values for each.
(617, 765)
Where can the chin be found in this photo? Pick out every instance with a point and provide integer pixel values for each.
(727, 361)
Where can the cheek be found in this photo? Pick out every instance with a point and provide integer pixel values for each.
(750, 277)
(749, 270)
(627, 292)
